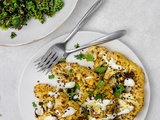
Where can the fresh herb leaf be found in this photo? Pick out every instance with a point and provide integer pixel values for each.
(34, 104)
(85, 111)
(118, 90)
(63, 60)
(90, 91)
(116, 78)
(72, 91)
(77, 86)
(100, 69)
(101, 83)
(76, 45)
(79, 56)
(117, 93)
(51, 76)
(99, 96)
(120, 87)
(16, 22)
(89, 57)
(13, 35)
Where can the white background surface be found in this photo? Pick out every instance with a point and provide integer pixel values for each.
(141, 18)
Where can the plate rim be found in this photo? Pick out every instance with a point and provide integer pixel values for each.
(42, 37)
(94, 32)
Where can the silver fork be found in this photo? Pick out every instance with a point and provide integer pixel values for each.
(61, 53)
(43, 63)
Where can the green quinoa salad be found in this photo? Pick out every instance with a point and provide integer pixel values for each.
(15, 13)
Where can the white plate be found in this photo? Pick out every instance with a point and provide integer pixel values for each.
(30, 75)
(35, 30)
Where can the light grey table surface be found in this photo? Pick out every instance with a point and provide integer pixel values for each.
(141, 18)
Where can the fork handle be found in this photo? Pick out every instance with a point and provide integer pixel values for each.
(106, 38)
(84, 20)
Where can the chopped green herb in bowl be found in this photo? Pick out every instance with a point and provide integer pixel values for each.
(13, 35)
(16, 13)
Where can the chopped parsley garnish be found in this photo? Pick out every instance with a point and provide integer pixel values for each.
(72, 91)
(99, 96)
(77, 86)
(76, 45)
(100, 84)
(116, 78)
(118, 90)
(13, 35)
(81, 56)
(34, 104)
(16, 22)
(90, 91)
(16, 13)
(89, 57)
(100, 69)
(63, 60)
(85, 111)
(51, 76)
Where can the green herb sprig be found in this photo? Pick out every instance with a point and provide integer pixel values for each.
(100, 84)
(63, 60)
(72, 91)
(76, 45)
(99, 96)
(100, 69)
(118, 90)
(34, 104)
(81, 56)
(51, 76)
(85, 111)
